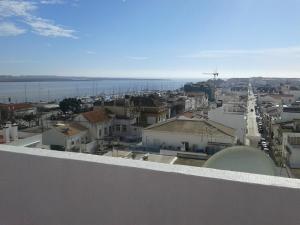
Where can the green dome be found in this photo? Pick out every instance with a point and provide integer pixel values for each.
(242, 159)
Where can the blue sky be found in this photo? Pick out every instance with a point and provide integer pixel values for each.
(150, 38)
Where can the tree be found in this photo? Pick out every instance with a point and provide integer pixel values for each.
(70, 104)
(29, 118)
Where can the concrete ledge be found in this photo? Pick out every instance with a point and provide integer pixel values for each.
(160, 167)
(47, 187)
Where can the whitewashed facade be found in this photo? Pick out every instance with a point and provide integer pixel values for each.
(231, 118)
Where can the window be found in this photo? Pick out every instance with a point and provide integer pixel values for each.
(294, 140)
(100, 132)
(118, 127)
(105, 130)
(124, 128)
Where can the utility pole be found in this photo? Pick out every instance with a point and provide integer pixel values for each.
(25, 90)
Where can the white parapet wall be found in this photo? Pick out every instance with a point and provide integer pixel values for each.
(49, 187)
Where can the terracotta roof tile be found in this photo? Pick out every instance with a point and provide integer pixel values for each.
(96, 116)
(17, 106)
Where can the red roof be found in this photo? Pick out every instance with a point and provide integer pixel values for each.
(16, 106)
(96, 116)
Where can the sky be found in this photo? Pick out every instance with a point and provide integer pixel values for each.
(150, 38)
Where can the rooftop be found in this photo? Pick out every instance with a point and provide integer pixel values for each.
(70, 129)
(292, 109)
(193, 126)
(96, 116)
(189, 162)
(16, 106)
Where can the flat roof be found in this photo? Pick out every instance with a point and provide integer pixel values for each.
(160, 158)
(70, 129)
(295, 172)
(189, 162)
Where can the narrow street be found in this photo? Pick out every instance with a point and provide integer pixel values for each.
(253, 135)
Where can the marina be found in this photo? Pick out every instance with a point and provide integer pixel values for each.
(58, 90)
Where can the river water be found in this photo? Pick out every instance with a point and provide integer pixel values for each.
(57, 90)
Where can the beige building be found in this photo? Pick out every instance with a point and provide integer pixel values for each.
(183, 134)
(276, 99)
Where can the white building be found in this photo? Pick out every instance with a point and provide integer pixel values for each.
(182, 134)
(9, 133)
(296, 94)
(86, 134)
(196, 101)
(68, 137)
(231, 115)
(190, 104)
(291, 90)
(97, 122)
(291, 148)
(126, 128)
(290, 113)
(276, 99)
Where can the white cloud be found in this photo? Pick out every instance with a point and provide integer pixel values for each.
(89, 52)
(10, 8)
(52, 2)
(45, 27)
(137, 57)
(293, 51)
(10, 29)
(24, 11)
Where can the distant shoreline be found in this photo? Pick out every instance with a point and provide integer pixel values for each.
(9, 78)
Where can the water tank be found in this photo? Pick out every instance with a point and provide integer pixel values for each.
(8, 124)
(14, 132)
(242, 159)
(6, 134)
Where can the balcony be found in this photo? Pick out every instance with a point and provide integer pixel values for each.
(48, 187)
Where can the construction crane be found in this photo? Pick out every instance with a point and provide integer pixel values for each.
(215, 75)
